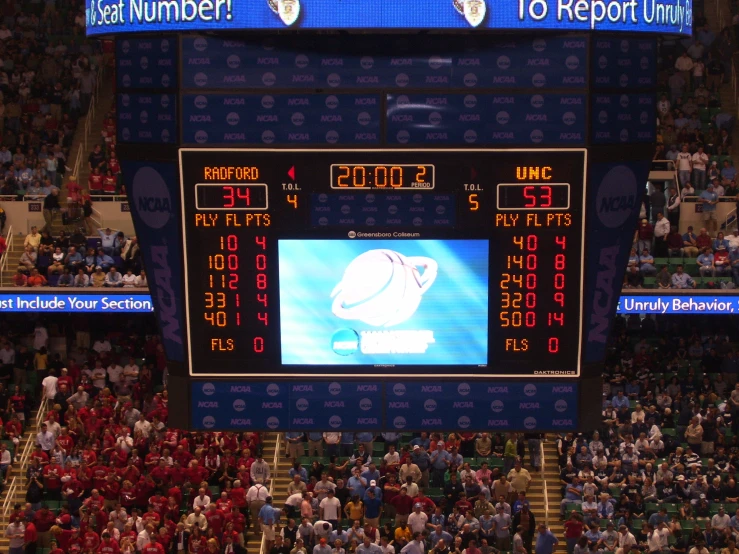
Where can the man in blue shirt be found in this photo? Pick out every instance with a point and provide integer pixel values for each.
(573, 495)
(422, 459)
(546, 542)
(367, 439)
(73, 260)
(347, 444)
(422, 441)
(440, 461)
(372, 508)
(107, 238)
(619, 401)
(103, 260)
(268, 516)
(728, 172)
(295, 448)
(356, 484)
(690, 249)
(709, 200)
(371, 474)
(705, 263)
(315, 445)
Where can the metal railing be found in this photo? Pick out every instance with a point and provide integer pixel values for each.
(83, 146)
(275, 463)
(542, 464)
(4, 258)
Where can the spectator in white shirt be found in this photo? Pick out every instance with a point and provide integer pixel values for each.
(202, 500)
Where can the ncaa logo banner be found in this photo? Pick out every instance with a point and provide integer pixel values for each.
(340, 405)
(614, 203)
(414, 405)
(623, 118)
(146, 63)
(625, 64)
(153, 195)
(267, 119)
(235, 405)
(146, 118)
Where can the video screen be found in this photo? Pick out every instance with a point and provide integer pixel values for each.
(384, 302)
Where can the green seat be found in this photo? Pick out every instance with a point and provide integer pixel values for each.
(650, 282)
(704, 114)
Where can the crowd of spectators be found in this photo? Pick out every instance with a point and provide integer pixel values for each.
(109, 260)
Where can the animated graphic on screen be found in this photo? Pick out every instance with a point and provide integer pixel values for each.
(382, 287)
(288, 10)
(473, 10)
(390, 302)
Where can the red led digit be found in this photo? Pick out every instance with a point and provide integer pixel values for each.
(238, 300)
(238, 319)
(261, 241)
(233, 262)
(531, 262)
(261, 262)
(232, 243)
(258, 345)
(530, 319)
(529, 197)
(546, 197)
(228, 197)
(553, 345)
(261, 281)
(559, 262)
(559, 281)
(532, 242)
(562, 241)
(262, 316)
(262, 298)
(559, 298)
(556, 317)
(531, 300)
(233, 281)
(530, 281)
(244, 195)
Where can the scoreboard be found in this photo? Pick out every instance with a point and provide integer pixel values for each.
(447, 263)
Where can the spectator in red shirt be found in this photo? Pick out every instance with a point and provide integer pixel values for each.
(95, 182)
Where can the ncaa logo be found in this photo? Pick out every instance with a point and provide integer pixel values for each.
(232, 118)
(644, 63)
(268, 102)
(126, 80)
(364, 118)
(624, 46)
(624, 136)
(164, 101)
(504, 62)
(144, 62)
(209, 389)
(434, 118)
(616, 196)
(151, 196)
(367, 62)
(273, 389)
(209, 422)
(502, 117)
(644, 118)
(403, 136)
(569, 118)
(239, 405)
(624, 80)
(463, 422)
(417, 198)
(624, 101)
(529, 423)
(370, 198)
(334, 421)
(269, 79)
(332, 102)
(365, 404)
(164, 46)
(435, 62)
(273, 422)
(125, 100)
(165, 80)
(399, 422)
(440, 209)
(392, 209)
(301, 61)
(539, 45)
(332, 137)
(370, 221)
(497, 406)
(470, 101)
(398, 389)
(298, 119)
(346, 209)
(268, 137)
(200, 44)
(200, 102)
(530, 389)
(417, 221)
(302, 404)
(537, 101)
(402, 80)
(323, 198)
(602, 62)
(323, 221)
(560, 405)
(572, 62)
(333, 80)
(603, 117)
(201, 137)
(233, 61)
(470, 136)
(125, 47)
(463, 389)
(201, 79)
(165, 135)
(402, 101)
(536, 136)
(125, 133)
(334, 388)
(538, 80)
(470, 80)
(429, 405)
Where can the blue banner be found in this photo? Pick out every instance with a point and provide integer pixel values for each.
(281, 119)
(239, 405)
(336, 405)
(146, 63)
(154, 199)
(486, 119)
(623, 118)
(678, 304)
(620, 63)
(532, 16)
(324, 62)
(476, 405)
(79, 300)
(147, 118)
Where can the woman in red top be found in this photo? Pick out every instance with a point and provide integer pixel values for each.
(573, 531)
(95, 181)
(197, 542)
(110, 182)
(73, 190)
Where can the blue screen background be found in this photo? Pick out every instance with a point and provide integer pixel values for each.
(455, 307)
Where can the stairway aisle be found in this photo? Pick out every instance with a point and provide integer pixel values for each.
(14, 257)
(254, 540)
(551, 477)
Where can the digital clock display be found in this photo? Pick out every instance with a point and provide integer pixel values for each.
(470, 263)
(382, 176)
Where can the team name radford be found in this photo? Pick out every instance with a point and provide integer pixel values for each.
(123, 12)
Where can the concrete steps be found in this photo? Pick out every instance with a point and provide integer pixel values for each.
(551, 477)
(254, 540)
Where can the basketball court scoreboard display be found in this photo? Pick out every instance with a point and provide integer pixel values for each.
(318, 263)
